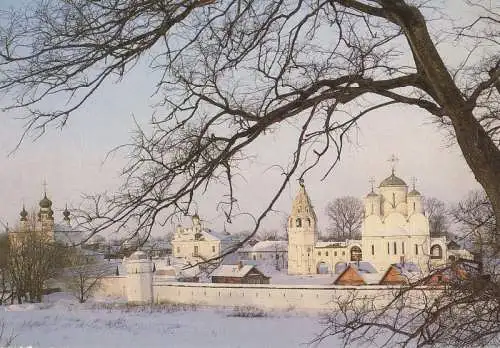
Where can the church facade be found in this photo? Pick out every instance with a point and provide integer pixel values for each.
(394, 230)
(44, 223)
(197, 244)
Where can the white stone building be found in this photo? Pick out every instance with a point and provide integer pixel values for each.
(395, 229)
(44, 223)
(196, 244)
(273, 252)
(305, 254)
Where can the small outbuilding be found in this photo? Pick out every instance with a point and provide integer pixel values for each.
(239, 274)
(400, 274)
(457, 271)
(357, 273)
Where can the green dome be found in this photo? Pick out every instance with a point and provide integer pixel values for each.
(45, 202)
(23, 214)
(66, 213)
(413, 193)
(393, 180)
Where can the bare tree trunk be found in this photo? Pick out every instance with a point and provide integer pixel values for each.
(478, 149)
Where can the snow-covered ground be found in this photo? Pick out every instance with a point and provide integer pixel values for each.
(61, 322)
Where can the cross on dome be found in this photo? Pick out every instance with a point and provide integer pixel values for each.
(414, 181)
(372, 181)
(44, 184)
(393, 159)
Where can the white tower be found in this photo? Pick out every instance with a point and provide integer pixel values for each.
(302, 234)
(139, 278)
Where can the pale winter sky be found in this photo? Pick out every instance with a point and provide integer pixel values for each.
(71, 160)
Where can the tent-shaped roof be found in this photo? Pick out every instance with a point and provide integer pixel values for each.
(400, 273)
(358, 273)
(234, 271)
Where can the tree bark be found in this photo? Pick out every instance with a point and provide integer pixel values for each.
(479, 150)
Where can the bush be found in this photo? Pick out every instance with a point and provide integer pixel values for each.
(247, 312)
(165, 307)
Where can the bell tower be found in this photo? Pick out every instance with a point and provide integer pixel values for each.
(302, 234)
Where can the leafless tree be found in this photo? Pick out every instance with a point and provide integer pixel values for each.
(476, 220)
(456, 299)
(462, 312)
(230, 71)
(270, 235)
(84, 275)
(34, 258)
(346, 216)
(5, 283)
(437, 213)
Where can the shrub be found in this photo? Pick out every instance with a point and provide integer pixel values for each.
(247, 312)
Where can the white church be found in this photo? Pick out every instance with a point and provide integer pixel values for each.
(395, 230)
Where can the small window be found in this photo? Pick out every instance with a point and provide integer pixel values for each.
(343, 253)
(416, 249)
(388, 248)
(395, 248)
(277, 256)
(213, 248)
(373, 249)
(326, 253)
(254, 257)
(334, 253)
(402, 247)
(308, 222)
(178, 249)
(298, 222)
(319, 253)
(436, 252)
(195, 251)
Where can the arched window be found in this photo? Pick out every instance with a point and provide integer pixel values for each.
(308, 222)
(356, 254)
(436, 252)
(298, 222)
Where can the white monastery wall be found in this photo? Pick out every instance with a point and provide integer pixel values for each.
(283, 297)
(115, 286)
(146, 288)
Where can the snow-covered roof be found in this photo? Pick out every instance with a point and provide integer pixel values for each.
(364, 269)
(179, 267)
(361, 266)
(139, 255)
(407, 268)
(68, 235)
(331, 245)
(267, 246)
(232, 271)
